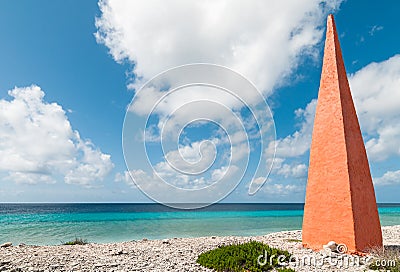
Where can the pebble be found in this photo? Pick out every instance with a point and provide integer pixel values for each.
(177, 254)
(8, 244)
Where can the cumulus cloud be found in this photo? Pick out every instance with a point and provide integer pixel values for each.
(193, 166)
(294, 145)
(293, 170)
(261, 39)
(38, 144)
(126, 178)
(299, 142)
(376, 94)
(194, 158)
(389, 178)
(278, 189)
(224, 134)
(151, 184)
(376, 91)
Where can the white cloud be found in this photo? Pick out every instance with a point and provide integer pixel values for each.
(299, 142)
(293, 170)
(274, 189)
(92, 164)
(293, 146)
(37, 143)
(375, 29)
(127, 179)
(278, 189)
(168, 174)
(123, 177)
(376, 92)
(389, 178)
(376, 95)
(193, 180)
(261, 39)
(31, 178)
(194, 158)
(258, 181)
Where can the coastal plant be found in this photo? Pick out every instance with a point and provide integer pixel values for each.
(386, 260)
(244, 258)
(76, 241)
(294, 240)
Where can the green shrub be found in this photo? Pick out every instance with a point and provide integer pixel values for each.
(386, 260)
(243, 257)
(77, 241)
(393, 266)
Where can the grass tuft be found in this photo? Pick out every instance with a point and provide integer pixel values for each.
(76, 241)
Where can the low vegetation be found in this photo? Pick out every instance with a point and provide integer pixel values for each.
(76, 241)
(386, 260)
(293, 240)
(244, 258)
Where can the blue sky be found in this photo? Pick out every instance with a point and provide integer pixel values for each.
(64, 89)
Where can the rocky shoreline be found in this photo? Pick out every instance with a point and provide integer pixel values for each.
(177, 254)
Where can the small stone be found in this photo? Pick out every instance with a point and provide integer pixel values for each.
(8, 244)
(331, 245)
(119, 252)
(166, 241)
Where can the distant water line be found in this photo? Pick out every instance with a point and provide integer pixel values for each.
(42, 224)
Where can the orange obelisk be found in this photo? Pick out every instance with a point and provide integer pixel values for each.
(340, 201)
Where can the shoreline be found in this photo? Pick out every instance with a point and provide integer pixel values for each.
(175, 254)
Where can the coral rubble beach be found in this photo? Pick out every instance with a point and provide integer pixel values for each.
(177, 254)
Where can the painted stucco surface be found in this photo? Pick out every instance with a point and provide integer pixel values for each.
(340, 201)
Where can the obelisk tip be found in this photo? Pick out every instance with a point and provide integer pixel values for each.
(330, 20)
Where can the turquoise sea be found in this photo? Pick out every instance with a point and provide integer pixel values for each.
(49, 224)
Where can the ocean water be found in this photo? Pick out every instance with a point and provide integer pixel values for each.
(50, 224)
